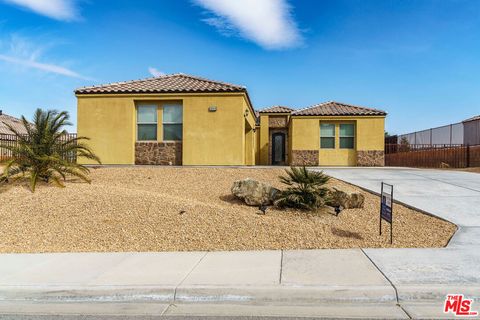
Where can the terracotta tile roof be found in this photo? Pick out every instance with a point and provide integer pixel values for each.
(173, 83)
(17, 124)
(276, 109)
(472, 119)
(332, 108)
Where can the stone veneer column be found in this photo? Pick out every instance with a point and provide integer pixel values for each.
(370, 158)
(158, 153)
(304, 158)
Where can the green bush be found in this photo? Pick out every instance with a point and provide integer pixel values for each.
(46, 153)
(305, 189)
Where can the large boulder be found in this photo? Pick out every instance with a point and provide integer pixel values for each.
(340, 198)
(254, 193)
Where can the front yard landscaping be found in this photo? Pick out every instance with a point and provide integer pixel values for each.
(171, 208)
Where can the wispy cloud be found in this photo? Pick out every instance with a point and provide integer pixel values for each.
(56, 9)
(269, 23)
(155, 72)
(43, 66)
(23, 52)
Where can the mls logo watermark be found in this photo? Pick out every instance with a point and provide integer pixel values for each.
(459, 306)
(386, 207)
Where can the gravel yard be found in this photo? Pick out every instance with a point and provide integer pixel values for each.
(169, 209)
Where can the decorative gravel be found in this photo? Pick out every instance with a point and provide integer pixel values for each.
(172, 209)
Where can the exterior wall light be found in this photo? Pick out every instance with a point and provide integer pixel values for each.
(212, 109)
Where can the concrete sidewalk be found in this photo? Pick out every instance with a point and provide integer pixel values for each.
(322, 282)
(239, 277)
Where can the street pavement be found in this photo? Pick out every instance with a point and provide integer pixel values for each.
(343, 283)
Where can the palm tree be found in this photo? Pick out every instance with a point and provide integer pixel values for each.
(305, 189)
(46, 152)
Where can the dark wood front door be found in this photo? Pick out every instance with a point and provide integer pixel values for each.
(278, 148)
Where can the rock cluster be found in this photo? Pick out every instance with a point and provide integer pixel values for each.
(340, 198)
(254, 193)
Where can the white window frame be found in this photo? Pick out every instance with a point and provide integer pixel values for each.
(340, 136)
(334, 135)
(148, 123)
(180, 105)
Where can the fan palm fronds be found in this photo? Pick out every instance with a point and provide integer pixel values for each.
(46, 151)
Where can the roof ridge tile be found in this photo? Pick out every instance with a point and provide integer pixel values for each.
(276, 109)
(337, 108)
(176, 82)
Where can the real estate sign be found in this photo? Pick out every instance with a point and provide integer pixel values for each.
(386, 207)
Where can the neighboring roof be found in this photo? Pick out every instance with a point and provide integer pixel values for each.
(276, 109)
(173, 83)
(332, 108)
(472, 119)
(16, 123)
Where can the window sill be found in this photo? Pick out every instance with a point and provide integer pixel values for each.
(157, 141)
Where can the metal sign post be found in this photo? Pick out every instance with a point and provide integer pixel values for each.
(386, 207)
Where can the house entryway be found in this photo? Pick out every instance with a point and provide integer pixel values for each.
(278, 148)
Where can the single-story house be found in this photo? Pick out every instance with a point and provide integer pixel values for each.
(6, 135)
(15, 123)
(180, 119)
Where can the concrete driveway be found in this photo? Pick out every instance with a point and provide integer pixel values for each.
(452, 195)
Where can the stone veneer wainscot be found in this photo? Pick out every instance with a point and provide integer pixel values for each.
(370, 158)
(158, 153)
(305, 157)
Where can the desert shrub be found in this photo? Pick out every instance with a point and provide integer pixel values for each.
(46, 152)
(305, 189)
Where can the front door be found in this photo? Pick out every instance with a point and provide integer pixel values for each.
(278, 148)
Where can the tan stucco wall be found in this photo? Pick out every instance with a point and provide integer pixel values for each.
(263, 139)
(209, 138)
(249, 145)
(369, 135)
(110, 124)
(257, 144)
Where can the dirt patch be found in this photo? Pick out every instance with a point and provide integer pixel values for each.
(167, 209)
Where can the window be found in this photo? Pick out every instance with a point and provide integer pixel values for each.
(347, 136)
(147, 122)
(172, 122)
(327, 136)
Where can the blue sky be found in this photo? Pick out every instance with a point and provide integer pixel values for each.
(418, 60)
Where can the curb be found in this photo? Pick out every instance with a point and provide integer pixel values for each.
(432, 292)
(201, 294)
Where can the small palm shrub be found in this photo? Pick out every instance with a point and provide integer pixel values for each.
(46, 153)
(305, 189)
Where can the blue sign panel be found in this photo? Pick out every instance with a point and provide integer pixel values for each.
(386, 205)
